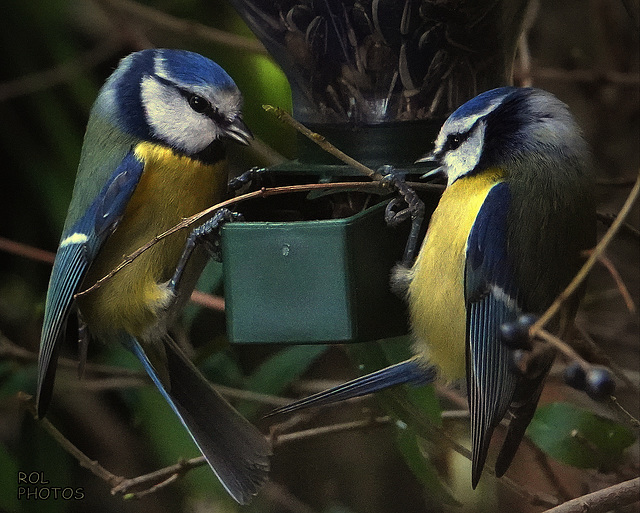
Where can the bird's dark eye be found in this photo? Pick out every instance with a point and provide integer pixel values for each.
(198, 103)
(453, 142)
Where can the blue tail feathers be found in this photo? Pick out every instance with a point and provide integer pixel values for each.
(407, 372)
(236, 451)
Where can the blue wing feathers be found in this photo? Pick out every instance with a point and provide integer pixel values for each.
(116, 193)
(68, 271)
(487, 259)
(490, 294)
(73, 260)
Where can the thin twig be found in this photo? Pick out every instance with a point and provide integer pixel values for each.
(624, 292)
(24, 250)
(152, 489)
(588, 265)
(632, 420)
(562, 346)
(161, 477)
(534, 498)
(321, 141)
(189, 28)
(616, 496)
(40, 255)
(627, 228)
(571, 354)
(186, 222)
(597, 352)
(331, 429)
(64, 442)
(164, 475)
(524, 56)
(120, 377)
(65, 72)
(552, 478)
(208, 300)
(9, 349)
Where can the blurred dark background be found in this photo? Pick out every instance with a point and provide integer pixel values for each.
(56, 54)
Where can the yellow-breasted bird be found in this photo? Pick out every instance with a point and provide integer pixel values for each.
(152, 155)
(507, 236)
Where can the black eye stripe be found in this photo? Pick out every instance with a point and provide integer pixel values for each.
(197, 102)
(454, 141)
(203, 106)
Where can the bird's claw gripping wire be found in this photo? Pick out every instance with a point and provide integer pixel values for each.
(253, 176)
(399, 209)
(207, 235)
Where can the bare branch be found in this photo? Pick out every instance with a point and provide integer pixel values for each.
(593, 258)
(208, 300)
(321, 141)
(188, 28)
(160, 478)
(624, 292)
(62, 73)
(64, 442)
(616, 496)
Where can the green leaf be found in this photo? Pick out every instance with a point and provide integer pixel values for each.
(578, 437)
(170, 442)
(408, 442)
(417, 409)
(276, 373)
(8, 474)
(14, 378)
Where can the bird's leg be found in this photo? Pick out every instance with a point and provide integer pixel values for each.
(253, 177)
(207, 235)
(400, 209)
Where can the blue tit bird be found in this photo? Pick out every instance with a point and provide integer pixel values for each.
(153, 154)
(507, 236)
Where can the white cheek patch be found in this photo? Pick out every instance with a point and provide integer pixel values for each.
(465, 158)
(173, 121)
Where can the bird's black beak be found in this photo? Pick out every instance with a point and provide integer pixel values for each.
(239, 131)
(432, 157)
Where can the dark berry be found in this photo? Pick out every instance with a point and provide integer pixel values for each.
(515, 334)
(599, 383)
(527, 320)
(575, 376)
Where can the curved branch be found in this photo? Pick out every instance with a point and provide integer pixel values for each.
(616, 496)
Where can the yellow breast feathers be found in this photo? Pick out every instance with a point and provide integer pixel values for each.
(172, 187)
(436, 290)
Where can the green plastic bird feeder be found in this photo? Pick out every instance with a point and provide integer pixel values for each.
(376, 78)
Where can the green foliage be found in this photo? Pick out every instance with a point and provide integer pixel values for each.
(578, 437)
(274, 375)
(417, 409)
(170, 442)
(8, 474)
(14, 378)
(39, 453)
